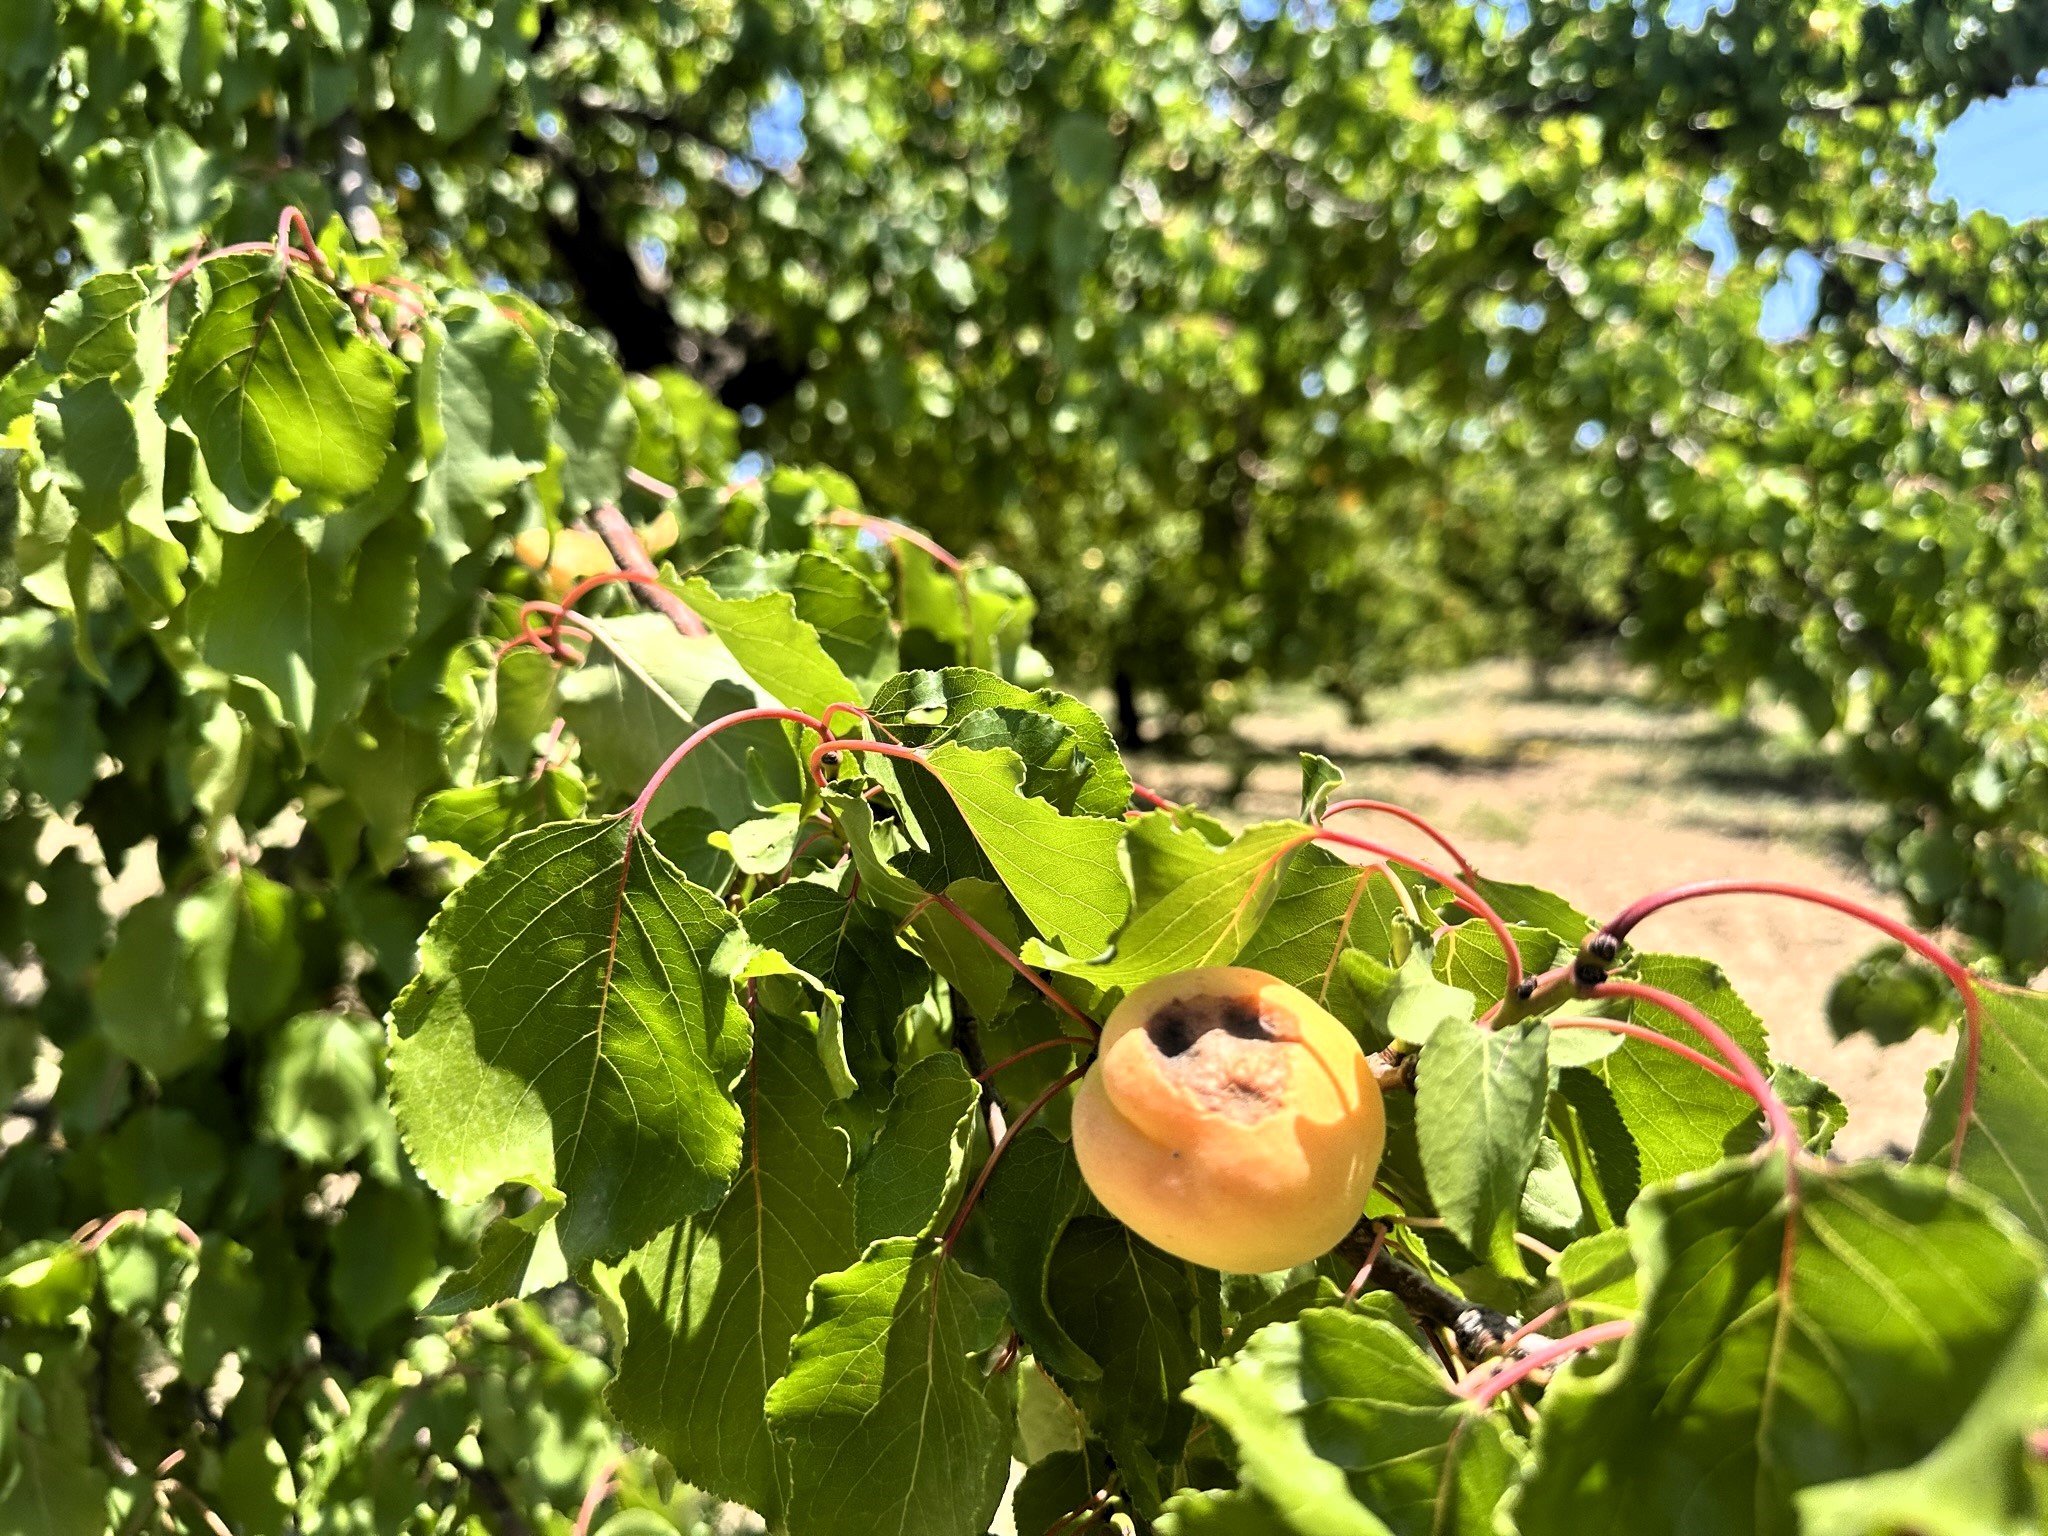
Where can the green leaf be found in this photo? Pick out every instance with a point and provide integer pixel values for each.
(1817, 1110)
(887, 1416)
(1479, 1101)
(309, 621)
(1034, 1192)
(594, 422)
(1196, 904)
(162, 991)
(189, 188)
(642, 689)
(918, 1167)
(385, 1250)
(1889, 996)
(1320, 779)
(1418, 1004)
(961, 956)
(1130, 1309)
(1598, 1276)
(1777, 1350)
(1053, 1491)
(1343, 1424)
(1533, 907)
(275, 384)
(2005, 1153)
(1470, 956)
(1983, 1480)
(90, 331)
(517, 1255)
(1325, 909)
(255, 1489)
(89, 441)
(712, 1305)
(1680, 1116)
(1552, 1208)
(571, 1026)
(42, 1283)
(478, 818)
(162, 1157)
(779, 651)
(851, 947)
(850, 616)
(448, 69)
(764, 845)
(322, 1092)
(484, 417)
(249, 1303)
(68, 928)
(340, 25)
(386, 764)
(1062, 871)
(52, 1485)
(1219, 1512)
(873, 847)
(923, 708)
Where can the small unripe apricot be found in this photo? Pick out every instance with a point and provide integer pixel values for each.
(1230, 1120)
(563, 559)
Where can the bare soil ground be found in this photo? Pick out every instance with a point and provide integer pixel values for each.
(1600, 794)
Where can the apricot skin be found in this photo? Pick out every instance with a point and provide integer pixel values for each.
(1230, 1120)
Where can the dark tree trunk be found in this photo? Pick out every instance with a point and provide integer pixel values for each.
(1130, 725)
(610, 287)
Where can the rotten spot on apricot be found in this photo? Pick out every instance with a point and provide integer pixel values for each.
(1225, 1055)
(1177, 1027)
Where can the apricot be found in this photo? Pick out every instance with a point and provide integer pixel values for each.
(1230, 1120)
(562, 559)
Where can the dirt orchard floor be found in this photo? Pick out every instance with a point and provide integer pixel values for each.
(1600, 795)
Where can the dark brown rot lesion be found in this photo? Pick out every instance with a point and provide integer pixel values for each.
(1225, 1053)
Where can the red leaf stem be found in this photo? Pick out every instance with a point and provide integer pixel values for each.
(1483, 1389)
(1002, 951)
(1058, 1085)
(912, 754)
(705, 733)
(1073, 1041)
(1644, 1033)
(827, 747)
(1753, 1082)
(894, 531)
(1158, 802)
(1372, 1256)
(631, 555)
(1957, 974)
(1467, 897)
(1419, 822)
(604, 578)
(291, 219)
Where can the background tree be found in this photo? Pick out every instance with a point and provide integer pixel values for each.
(1264, 344)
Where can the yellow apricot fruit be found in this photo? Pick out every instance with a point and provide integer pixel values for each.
(563, 559)
(1230, 1120)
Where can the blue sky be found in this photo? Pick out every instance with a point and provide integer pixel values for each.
(1992, 159)
(1995, 156)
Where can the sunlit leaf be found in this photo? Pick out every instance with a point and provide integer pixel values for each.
(275, 384)
(712, 1305)
(1756, 1370)
(571, 1027)
(886, 1416)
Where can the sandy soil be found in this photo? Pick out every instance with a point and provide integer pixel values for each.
(1602, 796)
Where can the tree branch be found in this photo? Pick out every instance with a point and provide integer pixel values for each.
(1479, 1331)
(624, 543)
